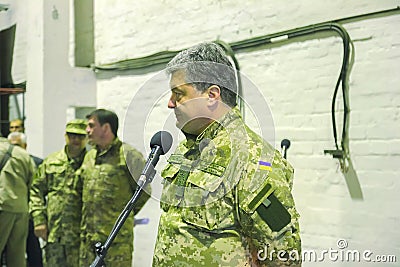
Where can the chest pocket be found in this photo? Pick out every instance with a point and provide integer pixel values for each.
(168, 193)
(57, 178)
(206, 203)
(112, 180)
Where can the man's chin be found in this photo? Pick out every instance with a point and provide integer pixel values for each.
(189, 129)
(179, 125)
(195, 126)
(182, 126)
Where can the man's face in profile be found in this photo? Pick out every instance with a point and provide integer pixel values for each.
(189, 104)
(95, 131)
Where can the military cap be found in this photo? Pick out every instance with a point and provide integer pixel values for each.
(76, 126)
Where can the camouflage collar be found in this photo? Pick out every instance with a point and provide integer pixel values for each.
(191, 144)
(212, 130)
(114, 143)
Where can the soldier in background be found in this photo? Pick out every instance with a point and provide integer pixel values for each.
(20, 139)
(227, 192)
(108, 185)
(17, 125)
(33, 249)
(56, 198)
(15, 179)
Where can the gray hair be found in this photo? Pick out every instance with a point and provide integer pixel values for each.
(17, 135)
(204, 65)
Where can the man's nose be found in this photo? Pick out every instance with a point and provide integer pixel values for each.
(171, 103)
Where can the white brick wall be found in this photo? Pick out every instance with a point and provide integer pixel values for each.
(297, 80)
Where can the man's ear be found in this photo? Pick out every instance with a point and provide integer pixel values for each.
(107, 127)
(214, 93)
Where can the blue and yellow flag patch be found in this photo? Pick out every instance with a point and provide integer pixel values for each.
(263, 165)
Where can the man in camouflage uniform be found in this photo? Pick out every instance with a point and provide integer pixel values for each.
(108, 174)
(227, 193)
(15, 179)
(56, 198)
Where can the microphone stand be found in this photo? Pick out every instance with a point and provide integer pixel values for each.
(101, 250)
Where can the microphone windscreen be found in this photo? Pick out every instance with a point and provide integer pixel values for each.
(285, 143)
(163, 139)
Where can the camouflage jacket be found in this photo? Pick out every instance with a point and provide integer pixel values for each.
(56, 197)
(15, 179)
(108, 184)
(217, 190)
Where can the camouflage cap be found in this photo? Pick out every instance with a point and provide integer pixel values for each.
(76, 126)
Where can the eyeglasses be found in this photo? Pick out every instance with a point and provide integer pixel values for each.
(74, 135)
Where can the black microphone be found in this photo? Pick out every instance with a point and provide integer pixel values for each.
(160, 144)
(285, 144)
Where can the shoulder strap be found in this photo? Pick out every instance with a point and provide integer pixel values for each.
(6, 156)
